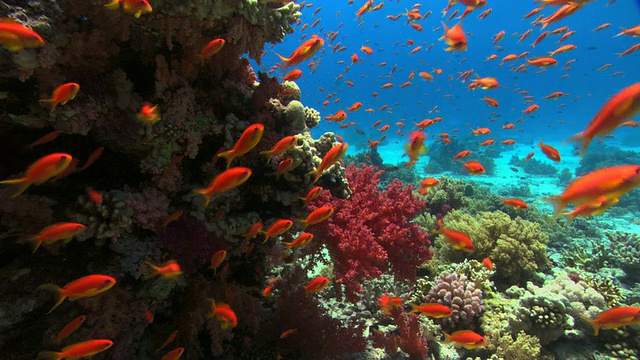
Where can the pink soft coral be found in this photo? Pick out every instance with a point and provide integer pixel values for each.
(371, 232)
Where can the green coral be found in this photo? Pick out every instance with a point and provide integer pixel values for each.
(607, 288)
(523, 347)
(517, 247)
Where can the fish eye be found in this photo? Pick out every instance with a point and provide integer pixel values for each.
(63, 157)
(107, 281)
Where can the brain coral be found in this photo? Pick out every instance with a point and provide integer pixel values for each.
(517, 247)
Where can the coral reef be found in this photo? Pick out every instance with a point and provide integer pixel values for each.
(371, 231)
(517, 247)
(461, 295)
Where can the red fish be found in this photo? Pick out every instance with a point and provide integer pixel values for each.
(312, 194)
(72, 326)
(174, 354)
(217, 259)
(515, 203)
(229, 179)
(92, 158)
(454, 37)
(302, 240)
(62, 94)
(550, 151)
(333, 156)
(169, 340)
(253, 231)
(416, 147)
(594, 207)
(293, 75)
(87, 286)
(278, 228)
(474, 168)
(213, 47)
(17, 37)
(318, 215)
(616, 317)
(149, 113)
(61, 231)
(170, 269)
(248, 140)
(459, 240)
(78, 350)
(433, 310)
(610, 182)
(487, 263)
(317, 284)
(465, 338)
(173, 217)
(45, 139)
(133, 7)
(40, 171)
(617, 109)
(303, 52)
(282, 146)
(386, 303)
(224, 314)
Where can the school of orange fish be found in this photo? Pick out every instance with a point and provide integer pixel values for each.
(590, 194)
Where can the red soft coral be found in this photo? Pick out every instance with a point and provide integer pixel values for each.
(371, 232)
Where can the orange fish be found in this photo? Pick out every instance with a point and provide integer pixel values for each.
(293, 75)
(285, 144)
(40, 171)
(386, 303)
(485, 83)
(287, 333)
(491, 101)
(229, 179)
(224, 314)
(416, 147)
(459, 240)
(174, 354)
(318, 215)
(170, 269)
(312, 194)
(474, 168)
(61, 231)
(173, 217)
(355, 107)
(77, 350)
(429, 182)
(45, 139)
(333, 156)
(487, 263)
(278, 228)
(213, 47)
(248, 140)
(149, 113)
(302, 240)
(133, 7)
(465, 338)
(462, 154)
(542, 61)
(515, 203)
(317, 285)
(62, 94)
(550, 151)
(218, 258)
(303, 52)
(72, 326)
(454, 37)
(617, 109)
(364, 8)
(169, 340)
(87, 286)
(253, 231)
(594, 207)
(529, 156)
(614, 318)
(531, 108)
(92, 158)
(16, 37)
(433, 310)
(610, 182)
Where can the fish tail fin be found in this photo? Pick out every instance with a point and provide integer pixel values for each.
(414, 309)
(268, 154)
(594, 324)
(558, 204)
(447, 337)
(446, 28)
(582, 140)
(56, 290)
(22, 184)
(316, 175)
(53, 103)
(48, 355)
(570, 218)
(113, 5)
(227, 155)
(205, 193)
(35, 242)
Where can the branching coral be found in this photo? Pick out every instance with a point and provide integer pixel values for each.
(408, 336)
(517, 247)
(371, 231)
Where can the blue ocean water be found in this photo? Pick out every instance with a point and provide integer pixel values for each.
(461, 108)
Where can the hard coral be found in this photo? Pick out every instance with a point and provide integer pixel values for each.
(371, 231)
(407, 336)
(461, 295)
